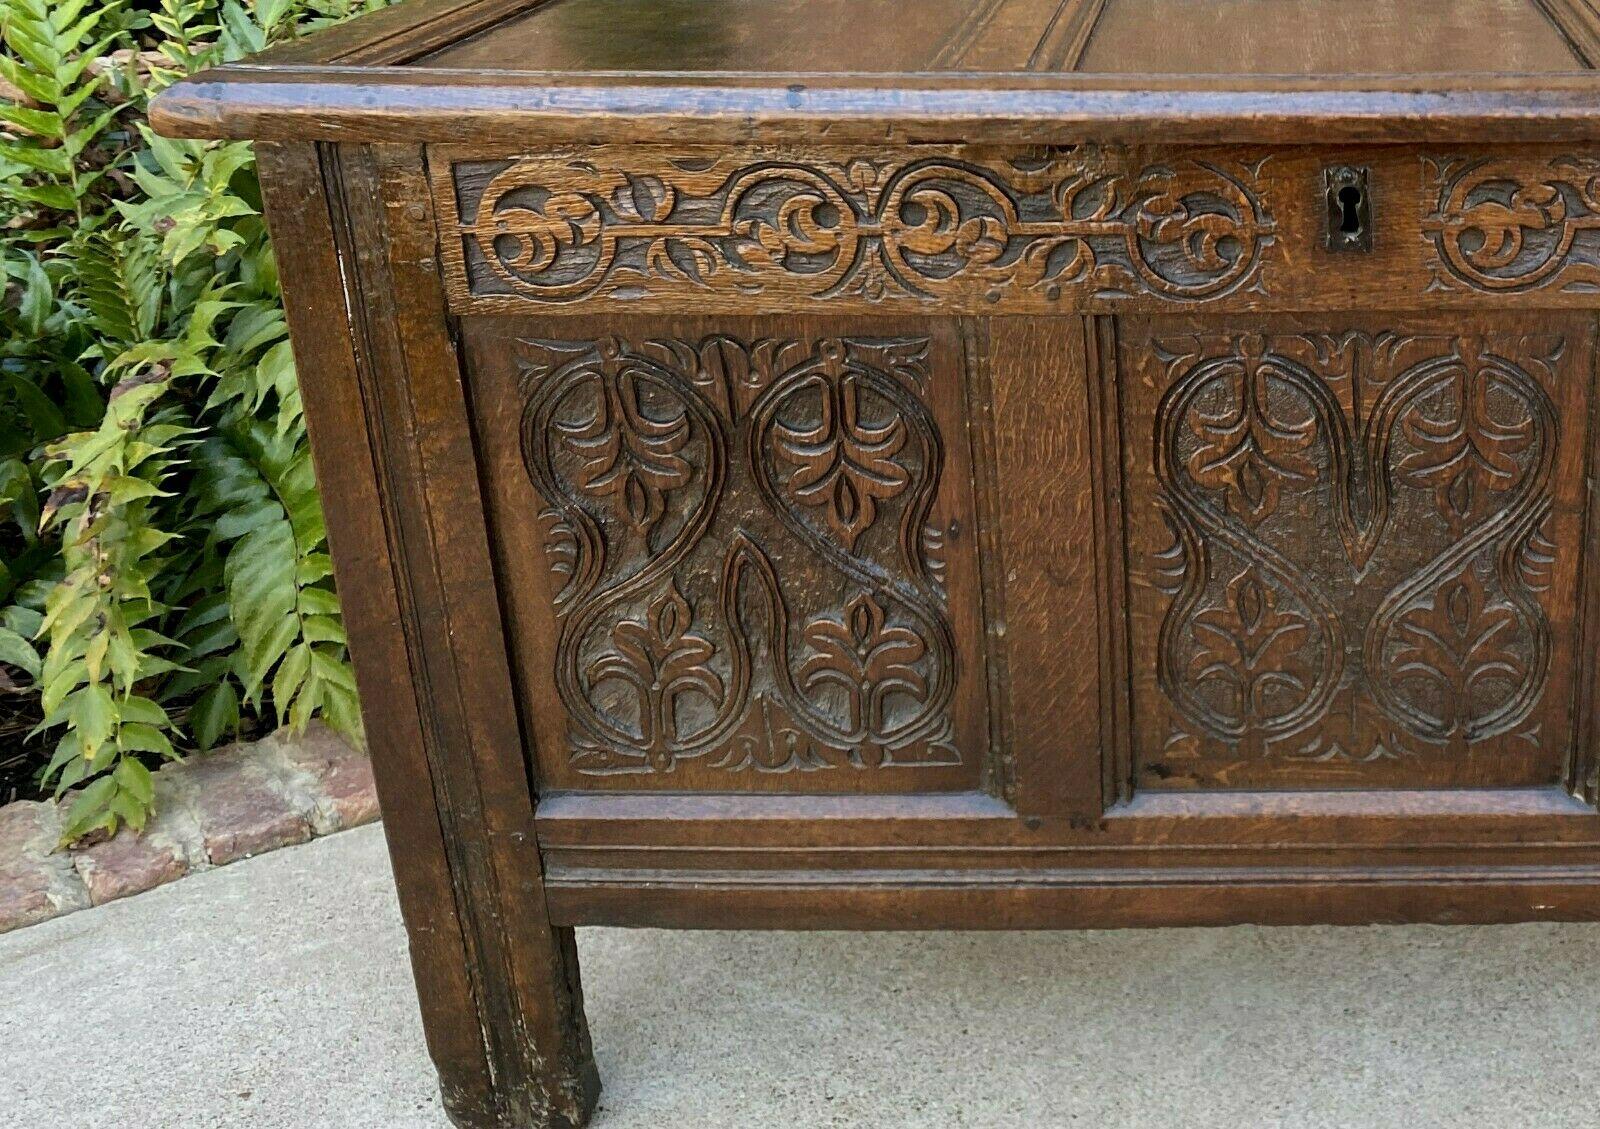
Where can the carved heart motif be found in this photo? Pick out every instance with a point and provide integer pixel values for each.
(1257, 439)
(1257, 451)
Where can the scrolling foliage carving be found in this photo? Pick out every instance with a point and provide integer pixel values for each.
(904, 228)
(739, 534)
(1357, 555)
(1506, 225)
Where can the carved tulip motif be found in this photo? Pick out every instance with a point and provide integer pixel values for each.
(1249, 446)
(845, 463)
(750, 625)
(662, 661)
(867, 663)
(1248, 646)
(631, 452)
(1464, 454)
(1458, 648)
(1431, 629)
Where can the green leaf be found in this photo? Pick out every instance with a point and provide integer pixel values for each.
(40, 123)
(94, 715)
(318, 602)
(333, 670)
(57, 162)
(39, 86)
(57, 196)
(38, 296)
(313, 567)
(215, 714)
(139, 710)
(18, 652)
(24, 621)
(122, 282)
(17, 490)
(35, 404)
(126, 807)
(291, 674)
(90, 810)
(134, 779)
(322, 629)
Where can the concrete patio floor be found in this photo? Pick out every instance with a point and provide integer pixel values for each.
(275, 993)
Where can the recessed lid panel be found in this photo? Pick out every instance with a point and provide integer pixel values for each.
(715, 35)
(1243, 37)
(1326, 37)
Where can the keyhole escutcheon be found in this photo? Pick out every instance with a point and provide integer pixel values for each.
(1349, 208)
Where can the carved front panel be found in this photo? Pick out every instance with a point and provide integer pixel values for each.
(740, 554)
(1353, 550)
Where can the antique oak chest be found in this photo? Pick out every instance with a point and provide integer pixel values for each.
(972, 463)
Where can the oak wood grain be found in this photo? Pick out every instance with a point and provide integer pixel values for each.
(794, 465)
(1579, 23)
(1327, 583)
(754, 562)
(1076, 899)
(304, 208)
(505, 1012)
(1084, 229)
(1335, 37)
(498, 111)
(1047, 523)
(1122, 37)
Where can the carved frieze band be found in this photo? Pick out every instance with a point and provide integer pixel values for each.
(1508, 225)
(739, 535)
(903, 229)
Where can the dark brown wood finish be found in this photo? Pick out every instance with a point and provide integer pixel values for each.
(1352, 37)
(754, 564)
(498, 111)
(499, 985)
(1354, 548)
(792, 465)
(1048, 583)
(299, 186)
(1105, 36)
(1103, 229)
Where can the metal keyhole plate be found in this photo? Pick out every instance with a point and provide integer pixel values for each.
(1349, 208)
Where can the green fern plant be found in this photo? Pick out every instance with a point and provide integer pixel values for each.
(164, 575)
(102, 647)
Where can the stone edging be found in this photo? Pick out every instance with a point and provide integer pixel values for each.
(210, 810)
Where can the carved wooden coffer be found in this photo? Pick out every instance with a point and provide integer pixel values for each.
(1002, 497)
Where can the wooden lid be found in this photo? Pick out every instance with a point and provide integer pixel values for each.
(519, 72)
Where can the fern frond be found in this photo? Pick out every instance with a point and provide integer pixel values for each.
(121, 282)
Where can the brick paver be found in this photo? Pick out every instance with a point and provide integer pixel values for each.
(36, 883)
(337, 777)
(210, 810)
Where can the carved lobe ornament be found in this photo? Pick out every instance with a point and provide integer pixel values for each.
(1506, 225)
(1358, 547)
(904, 229)
(739, 536)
